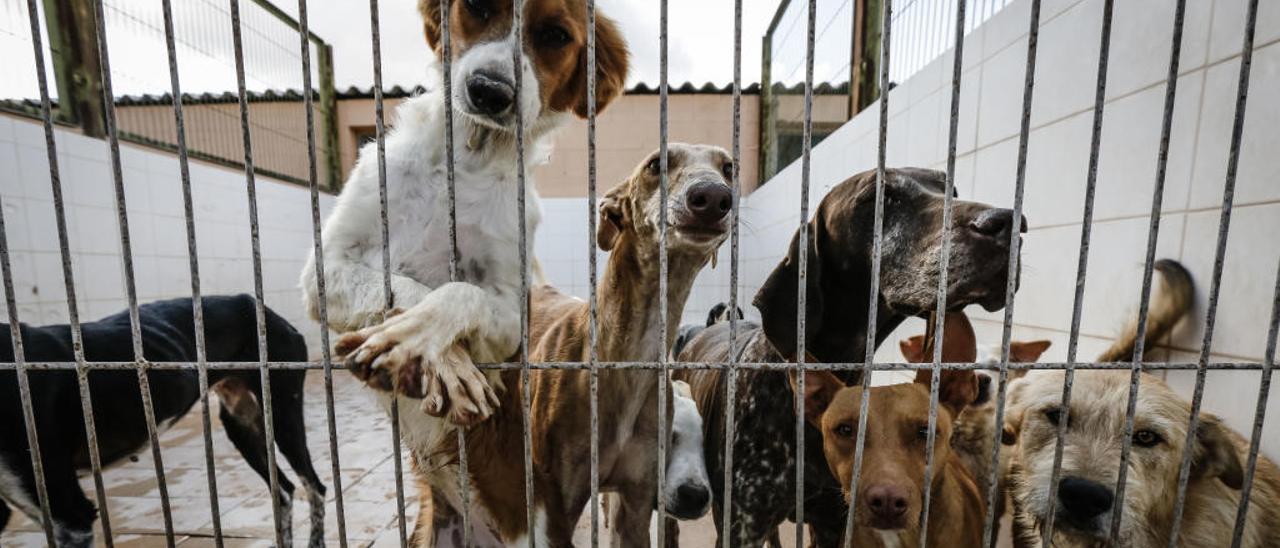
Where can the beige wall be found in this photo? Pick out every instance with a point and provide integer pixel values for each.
(277, 129)
(626, 132)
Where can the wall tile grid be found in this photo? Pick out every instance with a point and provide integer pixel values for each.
(153, 194)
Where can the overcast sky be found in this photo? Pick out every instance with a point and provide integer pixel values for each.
(700, 38)
(700, 43)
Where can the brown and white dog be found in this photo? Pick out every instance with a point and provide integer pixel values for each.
(628, 305)
(429, 349)
(1091, 453)
(838, 296)
(890, 494)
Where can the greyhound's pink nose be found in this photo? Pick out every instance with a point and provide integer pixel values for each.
(709, 202)
(887, 502)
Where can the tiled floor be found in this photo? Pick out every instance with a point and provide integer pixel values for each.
(368, 481)
(244, 508)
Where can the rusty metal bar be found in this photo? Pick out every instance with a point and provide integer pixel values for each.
(193, 264)
(1259, 416)
(69, 283)
(593, 320)
(126, 253)
(1153, 234)
(944, 260)
(279, 517)
(803, 266)
(731, 387)
(1219, 263)
(1082, 266)
(877, 249)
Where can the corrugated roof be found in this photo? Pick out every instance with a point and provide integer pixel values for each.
(395, 92)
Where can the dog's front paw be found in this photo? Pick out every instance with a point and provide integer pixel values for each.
(409, 355)
(456, 389)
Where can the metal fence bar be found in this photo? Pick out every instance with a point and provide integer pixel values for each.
(877, 249)
(803, 264)
(193, 264)
(1082, 265)
(939, 325)
(278, 518)
(1219, 262)
(73, 312)
(663, 193)
(1153, 235)
(24, 386)
(517, 26)
(126, 253)
(1015, 245)
(731, 387)
(464, 487)
(593, 325)
(1259, 415)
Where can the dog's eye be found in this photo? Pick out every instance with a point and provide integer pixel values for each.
(727, 171)
(844, 430)
(922, 433)
(1053, 415)
(654, 165)
(553, 36)
(1146, 438)
(478, 8)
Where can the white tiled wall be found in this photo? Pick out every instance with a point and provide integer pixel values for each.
(991, 97)
(153, 193)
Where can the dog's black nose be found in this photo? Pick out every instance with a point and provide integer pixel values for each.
(489, 94)
(996, 223)
(887, 502)
(709, 201)
(691, 501)
(1084, 499)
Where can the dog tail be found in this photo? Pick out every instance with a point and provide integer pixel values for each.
(1171, 299)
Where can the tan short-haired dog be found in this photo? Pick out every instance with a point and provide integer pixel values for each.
(890, 494)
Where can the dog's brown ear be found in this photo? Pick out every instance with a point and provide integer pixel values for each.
(1027, 351)
(820, 387)
(612, 63)
(613, 216)
(431, 13)
(1216, 454)
(957, 389)
(776, 299)
(912, 349)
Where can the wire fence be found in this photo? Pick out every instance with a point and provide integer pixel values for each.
(203, 45)
(811, 32)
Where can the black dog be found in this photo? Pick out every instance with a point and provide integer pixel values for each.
(168, 335)
(837, 300)
(719, 313)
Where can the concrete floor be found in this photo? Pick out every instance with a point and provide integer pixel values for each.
(368, 481)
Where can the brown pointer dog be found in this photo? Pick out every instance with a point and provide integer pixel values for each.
(698, 200)
(838, 284)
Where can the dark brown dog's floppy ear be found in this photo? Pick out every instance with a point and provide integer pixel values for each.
(776, 299)
(613, 216)
(957, 389)
(1216, 454)
(612, 62)
(430, 11)
(820, 387)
